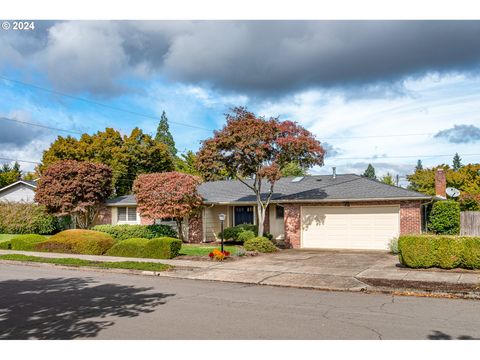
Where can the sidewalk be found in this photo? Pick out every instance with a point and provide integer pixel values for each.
(322, 270)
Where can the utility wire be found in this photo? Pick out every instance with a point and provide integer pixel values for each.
(42, 126)
(131, 112)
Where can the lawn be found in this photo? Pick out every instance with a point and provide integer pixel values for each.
(5, 237)
(132, 265)
(204, 250)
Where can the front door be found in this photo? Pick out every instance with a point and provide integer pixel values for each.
(243, 215)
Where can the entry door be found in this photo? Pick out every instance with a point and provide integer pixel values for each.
(243, 215)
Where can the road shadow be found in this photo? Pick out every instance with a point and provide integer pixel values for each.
(68, 308)
(438, 335)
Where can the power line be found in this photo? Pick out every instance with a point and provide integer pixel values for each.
(131, 112)
(42, 126)
(396, 157)
(375, 136)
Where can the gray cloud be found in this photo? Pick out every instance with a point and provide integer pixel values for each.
(265, 58)
(331, 150)
(460, 134)
(17, 135)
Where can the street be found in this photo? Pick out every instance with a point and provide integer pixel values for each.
(48, 303)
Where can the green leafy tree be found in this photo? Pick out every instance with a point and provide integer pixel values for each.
(388, 179)
(127, 155)
(9, 174)
(186, 163)
(370, 172)
(419, 165)
(293, 169)
(457, 162)
(164, 136)
(255, 150)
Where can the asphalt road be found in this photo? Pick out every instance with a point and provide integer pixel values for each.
(45, 303)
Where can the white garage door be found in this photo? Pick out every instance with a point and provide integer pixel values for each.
(354, 227)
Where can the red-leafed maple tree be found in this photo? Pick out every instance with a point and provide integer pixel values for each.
(167, 195)
(255, 150)
(75, 188)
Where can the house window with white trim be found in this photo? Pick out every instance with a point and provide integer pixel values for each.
(127, 215)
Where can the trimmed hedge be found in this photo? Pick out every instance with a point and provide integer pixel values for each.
(124, 232)
(86, 242)
(158, 248)
(23, 242)
(445, 218)
(260, 244)
(446, 252)
(21, 218)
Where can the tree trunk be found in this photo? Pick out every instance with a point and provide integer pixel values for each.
(261, 219)
(179, 229)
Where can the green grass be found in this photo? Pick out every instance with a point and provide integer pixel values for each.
(6, 237)
(204, 250)
(133, 265)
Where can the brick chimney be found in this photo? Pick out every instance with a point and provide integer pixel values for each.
(440, 183)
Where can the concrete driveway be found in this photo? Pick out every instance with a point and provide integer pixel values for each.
(320, 269)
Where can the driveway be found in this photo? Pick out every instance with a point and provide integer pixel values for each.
(320, 269)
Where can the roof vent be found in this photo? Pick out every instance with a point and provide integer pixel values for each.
(334, 172)
(298, 179)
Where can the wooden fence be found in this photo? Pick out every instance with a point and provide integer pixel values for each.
(470, 223)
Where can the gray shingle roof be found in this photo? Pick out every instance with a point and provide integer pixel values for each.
(348, 187)
(317, 188)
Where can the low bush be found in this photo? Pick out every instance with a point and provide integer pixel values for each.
(233, 233)
(445, 218)
(123, 232)
(25, 242)
(128, 248)
(245, 235)
(393, 244)
(443, 251)
(260, 244)
(21, 218)
(158, 248)
(78, 242)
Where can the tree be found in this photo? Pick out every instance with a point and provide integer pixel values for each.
(75, 188)
(168, 195)
(186, 163)
(255, 150)
(127, 155)
(388, 179)
(457, 162)
(370, 172)
(9, 174)
(293, 169)
(419, 165)
(164, 136)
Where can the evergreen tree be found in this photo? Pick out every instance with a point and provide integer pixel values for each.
(419, 165)
(457, 162)
(388, 179)
(370, 172)
(9, 174)
(164, 136)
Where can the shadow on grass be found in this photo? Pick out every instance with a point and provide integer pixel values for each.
(68, 308)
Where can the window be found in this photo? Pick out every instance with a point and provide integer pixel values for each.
(279, 212)
(127, 214)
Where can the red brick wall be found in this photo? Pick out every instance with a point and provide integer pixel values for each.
(292, 225)
(195, 229)
(410, 218)
(104, 216)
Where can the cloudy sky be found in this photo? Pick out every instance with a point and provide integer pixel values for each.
(380, 92)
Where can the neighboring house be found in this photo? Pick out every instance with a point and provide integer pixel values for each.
(325, 211)
(20, 191)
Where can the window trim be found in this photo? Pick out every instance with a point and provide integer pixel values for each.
(127, 215)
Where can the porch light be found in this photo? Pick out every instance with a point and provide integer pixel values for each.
(221, 217)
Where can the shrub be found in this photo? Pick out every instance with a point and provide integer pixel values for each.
(445, 218)
(231, 233)
(418, 251)
(393, 244)
(245, 235)
(78, 242)
(128, 248)
(21, 218)
(158, 248)
(471, 253)
(446, 252)
(26, 242)
(123, 232)
(260, 244)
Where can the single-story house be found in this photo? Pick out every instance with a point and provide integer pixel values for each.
(19, 191)
(324, 211)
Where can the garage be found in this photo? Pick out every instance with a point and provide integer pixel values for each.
(349, 227)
